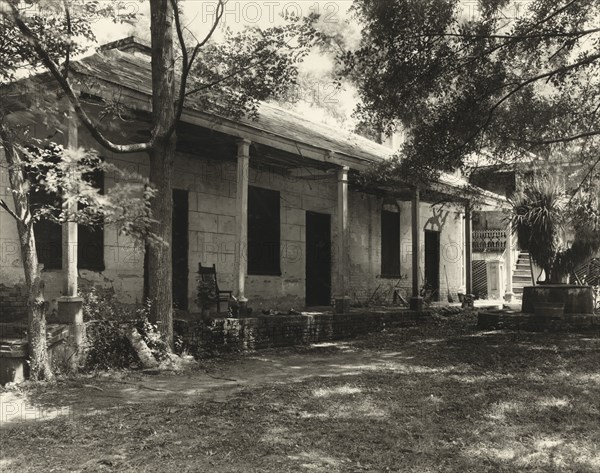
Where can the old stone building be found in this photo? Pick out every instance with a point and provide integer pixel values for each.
(271, 202)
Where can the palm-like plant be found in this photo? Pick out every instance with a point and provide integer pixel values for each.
(540, 215)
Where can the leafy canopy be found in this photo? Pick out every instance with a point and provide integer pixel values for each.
(516, 78)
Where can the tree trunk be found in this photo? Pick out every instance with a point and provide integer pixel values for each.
(162, 156)
(159, 254)
(36, 329)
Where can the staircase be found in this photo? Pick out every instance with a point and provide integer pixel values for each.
(522, 274)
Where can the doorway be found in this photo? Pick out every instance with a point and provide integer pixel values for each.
(432, 263)
(318, 259)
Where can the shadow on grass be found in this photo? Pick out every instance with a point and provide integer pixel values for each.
(441, 398)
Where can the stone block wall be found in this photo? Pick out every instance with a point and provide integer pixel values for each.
(211, 186)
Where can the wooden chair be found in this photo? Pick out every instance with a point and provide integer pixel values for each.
(207, 282)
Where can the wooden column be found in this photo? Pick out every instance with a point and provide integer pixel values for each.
(241, 222)
(416, 301)
(342, 301)
(468, 249)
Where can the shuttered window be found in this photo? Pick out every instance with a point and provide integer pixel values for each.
(48, 235)
(390, 244)
(263, 232)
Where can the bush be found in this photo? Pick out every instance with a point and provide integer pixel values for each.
(108, 322)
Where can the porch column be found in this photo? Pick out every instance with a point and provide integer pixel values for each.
(468, 249)
(342, 301)
(69, 305)
(508, 295)
(241, 223)
(416, 301)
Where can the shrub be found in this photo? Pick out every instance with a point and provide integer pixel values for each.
(108, 322)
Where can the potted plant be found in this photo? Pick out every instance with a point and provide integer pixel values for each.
(542, 215)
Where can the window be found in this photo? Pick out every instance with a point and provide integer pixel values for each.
(263, 232)
(390, 244)
(48, 235)
(90, 244)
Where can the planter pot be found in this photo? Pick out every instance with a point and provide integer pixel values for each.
(549, 310)
(574, 299)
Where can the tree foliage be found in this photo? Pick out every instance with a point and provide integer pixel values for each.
(516, 78)
(543, 213)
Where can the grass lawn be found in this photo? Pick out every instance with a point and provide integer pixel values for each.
(441, 397)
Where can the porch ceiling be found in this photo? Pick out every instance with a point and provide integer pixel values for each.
(203, 142)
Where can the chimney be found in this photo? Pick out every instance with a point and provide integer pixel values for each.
(130, 44)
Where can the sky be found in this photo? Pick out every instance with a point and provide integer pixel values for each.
(321, 96)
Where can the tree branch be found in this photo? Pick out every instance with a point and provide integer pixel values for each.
(54, 69)
(5, 206)
(565, 139)
(509, 36)
(187, 60)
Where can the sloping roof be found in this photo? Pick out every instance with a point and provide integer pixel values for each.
(133, 71)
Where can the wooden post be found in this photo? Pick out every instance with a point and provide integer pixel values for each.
(342, 301)
(416, 301)
(241, 223)
(468, 249)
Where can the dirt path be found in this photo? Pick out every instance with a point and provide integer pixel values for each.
(214, 380)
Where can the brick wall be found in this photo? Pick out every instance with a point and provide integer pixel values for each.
(13, 303)
(226, 334)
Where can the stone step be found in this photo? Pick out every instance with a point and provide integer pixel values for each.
(524, 278)
(517, 290)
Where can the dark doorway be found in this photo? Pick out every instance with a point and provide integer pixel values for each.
(432, 263)
(179, 248)
(318, 259)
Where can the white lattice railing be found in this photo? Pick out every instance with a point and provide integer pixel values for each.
(489, 240)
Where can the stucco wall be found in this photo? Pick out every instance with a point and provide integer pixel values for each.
(212, 191)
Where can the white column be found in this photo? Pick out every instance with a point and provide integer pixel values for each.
(343, 276)
(70, 306)
(416, 301)
(468, 249)
(241, 221)
(508, 266)
(69, 229)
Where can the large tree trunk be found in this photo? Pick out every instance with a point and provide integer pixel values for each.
(162, 156)
(36, 329)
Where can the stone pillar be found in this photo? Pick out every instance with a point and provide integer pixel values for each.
(241, 224)
(494, 276)
(69, 306)
(342, 300)
(416, 301)
(468, 249)
(509, 295)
